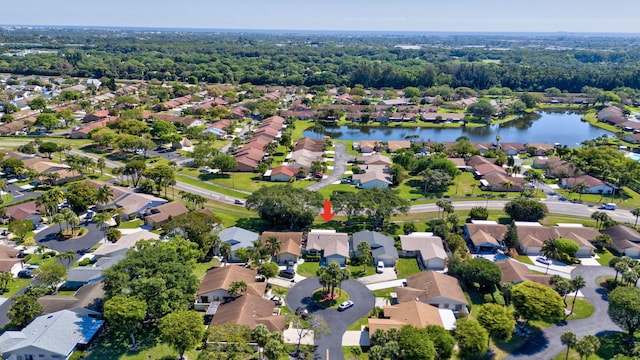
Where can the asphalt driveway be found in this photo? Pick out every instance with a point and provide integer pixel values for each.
(548, 345)
(300, 295)
(341, 157)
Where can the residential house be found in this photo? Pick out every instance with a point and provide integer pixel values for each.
(83, 131)
(45, 170)
(238, 238)
(96, 115)
(126, 242)
(395, 102)
(368, 146)
(9, 260)
(160, 214)
(248, 158)
(90, 296)
(498, 181)
(485, 236)
(376, 159)
(382, 247)
(51, 336)
(532, 235)
(330, 245)
(282, 173)
(290, 245)
(511, 148)
(374, 177)
(395, 145)
(581, 235)
(540, 148)
(460, 164)
(516, 272)
(131, 202)
(554, 167)
(434, 116)
(187, 121)
(428, 249)
(414, 313)
(216, 282)
(184, 144)
(433, 288)
(624, 240)
(82, 275)
(249, 310)
(594, 185)
(25, 211)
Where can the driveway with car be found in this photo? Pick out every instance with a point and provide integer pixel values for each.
(338, 321)
(340, 160)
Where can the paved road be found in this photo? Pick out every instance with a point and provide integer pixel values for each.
(554, 205)
(548, 345)
(340, 159)
(300, 295)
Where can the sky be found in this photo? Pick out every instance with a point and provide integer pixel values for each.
(592, 16)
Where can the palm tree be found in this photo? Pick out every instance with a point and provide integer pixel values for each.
(225, 251)
(101, 165)
(635, 212)
(272, 246)
(515, 169)
(550, 249)
(578, 284)
(498, 138)
(68, 255)
(58, 219)
(569, 339)
(102, 219)
(508, 185)
(104, 195)
(581, 188)
(3, 187)
(364, 254)
(237, 288)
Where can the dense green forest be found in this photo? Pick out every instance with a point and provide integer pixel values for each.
(519, 62)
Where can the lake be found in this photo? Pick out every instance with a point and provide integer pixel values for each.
(541, 127)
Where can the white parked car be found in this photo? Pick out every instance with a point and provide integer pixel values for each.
(345, 305)
(543, 260)
(380, 267)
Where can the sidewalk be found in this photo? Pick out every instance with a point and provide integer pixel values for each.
(386, 284)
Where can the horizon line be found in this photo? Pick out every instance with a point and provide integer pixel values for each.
(319, 31)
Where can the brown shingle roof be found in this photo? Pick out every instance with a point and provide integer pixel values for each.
(162, 213)
(430, 284)
(222, 277)
(249, 310)
(289, 241)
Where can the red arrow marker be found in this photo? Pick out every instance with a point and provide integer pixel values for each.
(327, 215)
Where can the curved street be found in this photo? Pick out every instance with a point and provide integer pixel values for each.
(338, 322)
(548, 345)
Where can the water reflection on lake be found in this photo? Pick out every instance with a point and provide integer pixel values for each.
(548, 127)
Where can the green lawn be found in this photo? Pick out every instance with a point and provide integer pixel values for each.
(383, 293)
(604, 257)
(406, 267)
(356, 271)
(582, 310)
(357, 326)
(134, 224)
(610, 344)
(14, 286)
(524, 259)
(201, 268)
(308, 269)
(210, 187)
(113, 347)
(350, 352)
(329, 304)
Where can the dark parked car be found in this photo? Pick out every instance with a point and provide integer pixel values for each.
(287, 274)
(302, 312)
(25, 274)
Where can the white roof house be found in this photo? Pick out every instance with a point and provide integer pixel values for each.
(52, 336)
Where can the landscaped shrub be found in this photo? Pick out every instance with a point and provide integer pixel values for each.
(479, 213)
(84, 262)
(567, 246)
(27, 258)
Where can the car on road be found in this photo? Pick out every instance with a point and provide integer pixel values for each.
(380, 267)
(345, 305)
(302, 312)
(608, 206)
(25, 274)
(238, 202)
(543, 260)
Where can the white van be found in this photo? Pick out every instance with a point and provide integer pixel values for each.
(609, 206)
(380, 267)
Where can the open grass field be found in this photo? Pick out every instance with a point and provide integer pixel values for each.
(308, 269)
(406, 267)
